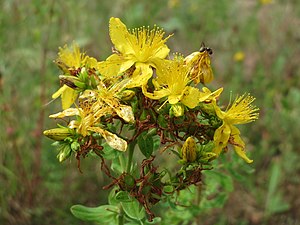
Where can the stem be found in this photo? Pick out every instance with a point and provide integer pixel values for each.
(199, 194)
(121, 216)
(198, 200)
(130, 155)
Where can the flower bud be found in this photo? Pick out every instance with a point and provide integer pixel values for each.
(58, 134)
(189, 150)
(64, 153)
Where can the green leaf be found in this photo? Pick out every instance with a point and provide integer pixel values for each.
(116, 166)
(223, 180)
(103, 214)
(133, 209)
(274, 201)
(135, 222)
(109, 152)
(217, 202)
(123, 196)
(80, 84)
(112, 197)
(168, 189)
(145, 143)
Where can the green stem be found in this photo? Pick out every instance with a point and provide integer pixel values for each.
(121, 216)
(199, 194)
(130, 155)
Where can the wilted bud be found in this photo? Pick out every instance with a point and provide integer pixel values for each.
(189, 150)
(58, 134)
(176, 110)
(200, 69)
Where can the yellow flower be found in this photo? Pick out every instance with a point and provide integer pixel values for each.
(72, 58)
(240, 112)
(173, 4)
(111, 95)
(239, 56)
(172, 82)
(265, 2)
(141, 49)
(69, 60)
(68, 96)
(91, 110)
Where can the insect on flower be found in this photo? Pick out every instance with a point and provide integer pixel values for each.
(199, 65)
(205, 49)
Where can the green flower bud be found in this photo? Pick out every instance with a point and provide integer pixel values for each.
(64, 153)
(58, 134)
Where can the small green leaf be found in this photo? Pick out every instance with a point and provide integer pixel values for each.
(145, 144)
(80, 84)
(274, 201)
(168, 189)
(116, 166)
(217, 202)
(104, 213)
(123, 196)
(133, 209)
(109, 152)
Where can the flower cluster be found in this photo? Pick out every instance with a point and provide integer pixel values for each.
(140, 95)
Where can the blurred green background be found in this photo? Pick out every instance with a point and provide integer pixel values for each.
(256, 48)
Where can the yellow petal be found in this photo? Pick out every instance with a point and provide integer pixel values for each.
(239, 145)
(114, 65)
(242, 154)
(66, 113)
(156, 94)
(140, 76)
(207, 95)
(120, 36)
(112, 140)
(68, 97)
(59, 91)
(174, 99)
(162, 52)
(125, 112)
(190, 97)
(91, 62)
(221, 138)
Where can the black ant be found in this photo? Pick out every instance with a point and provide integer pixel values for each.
(207, 49)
